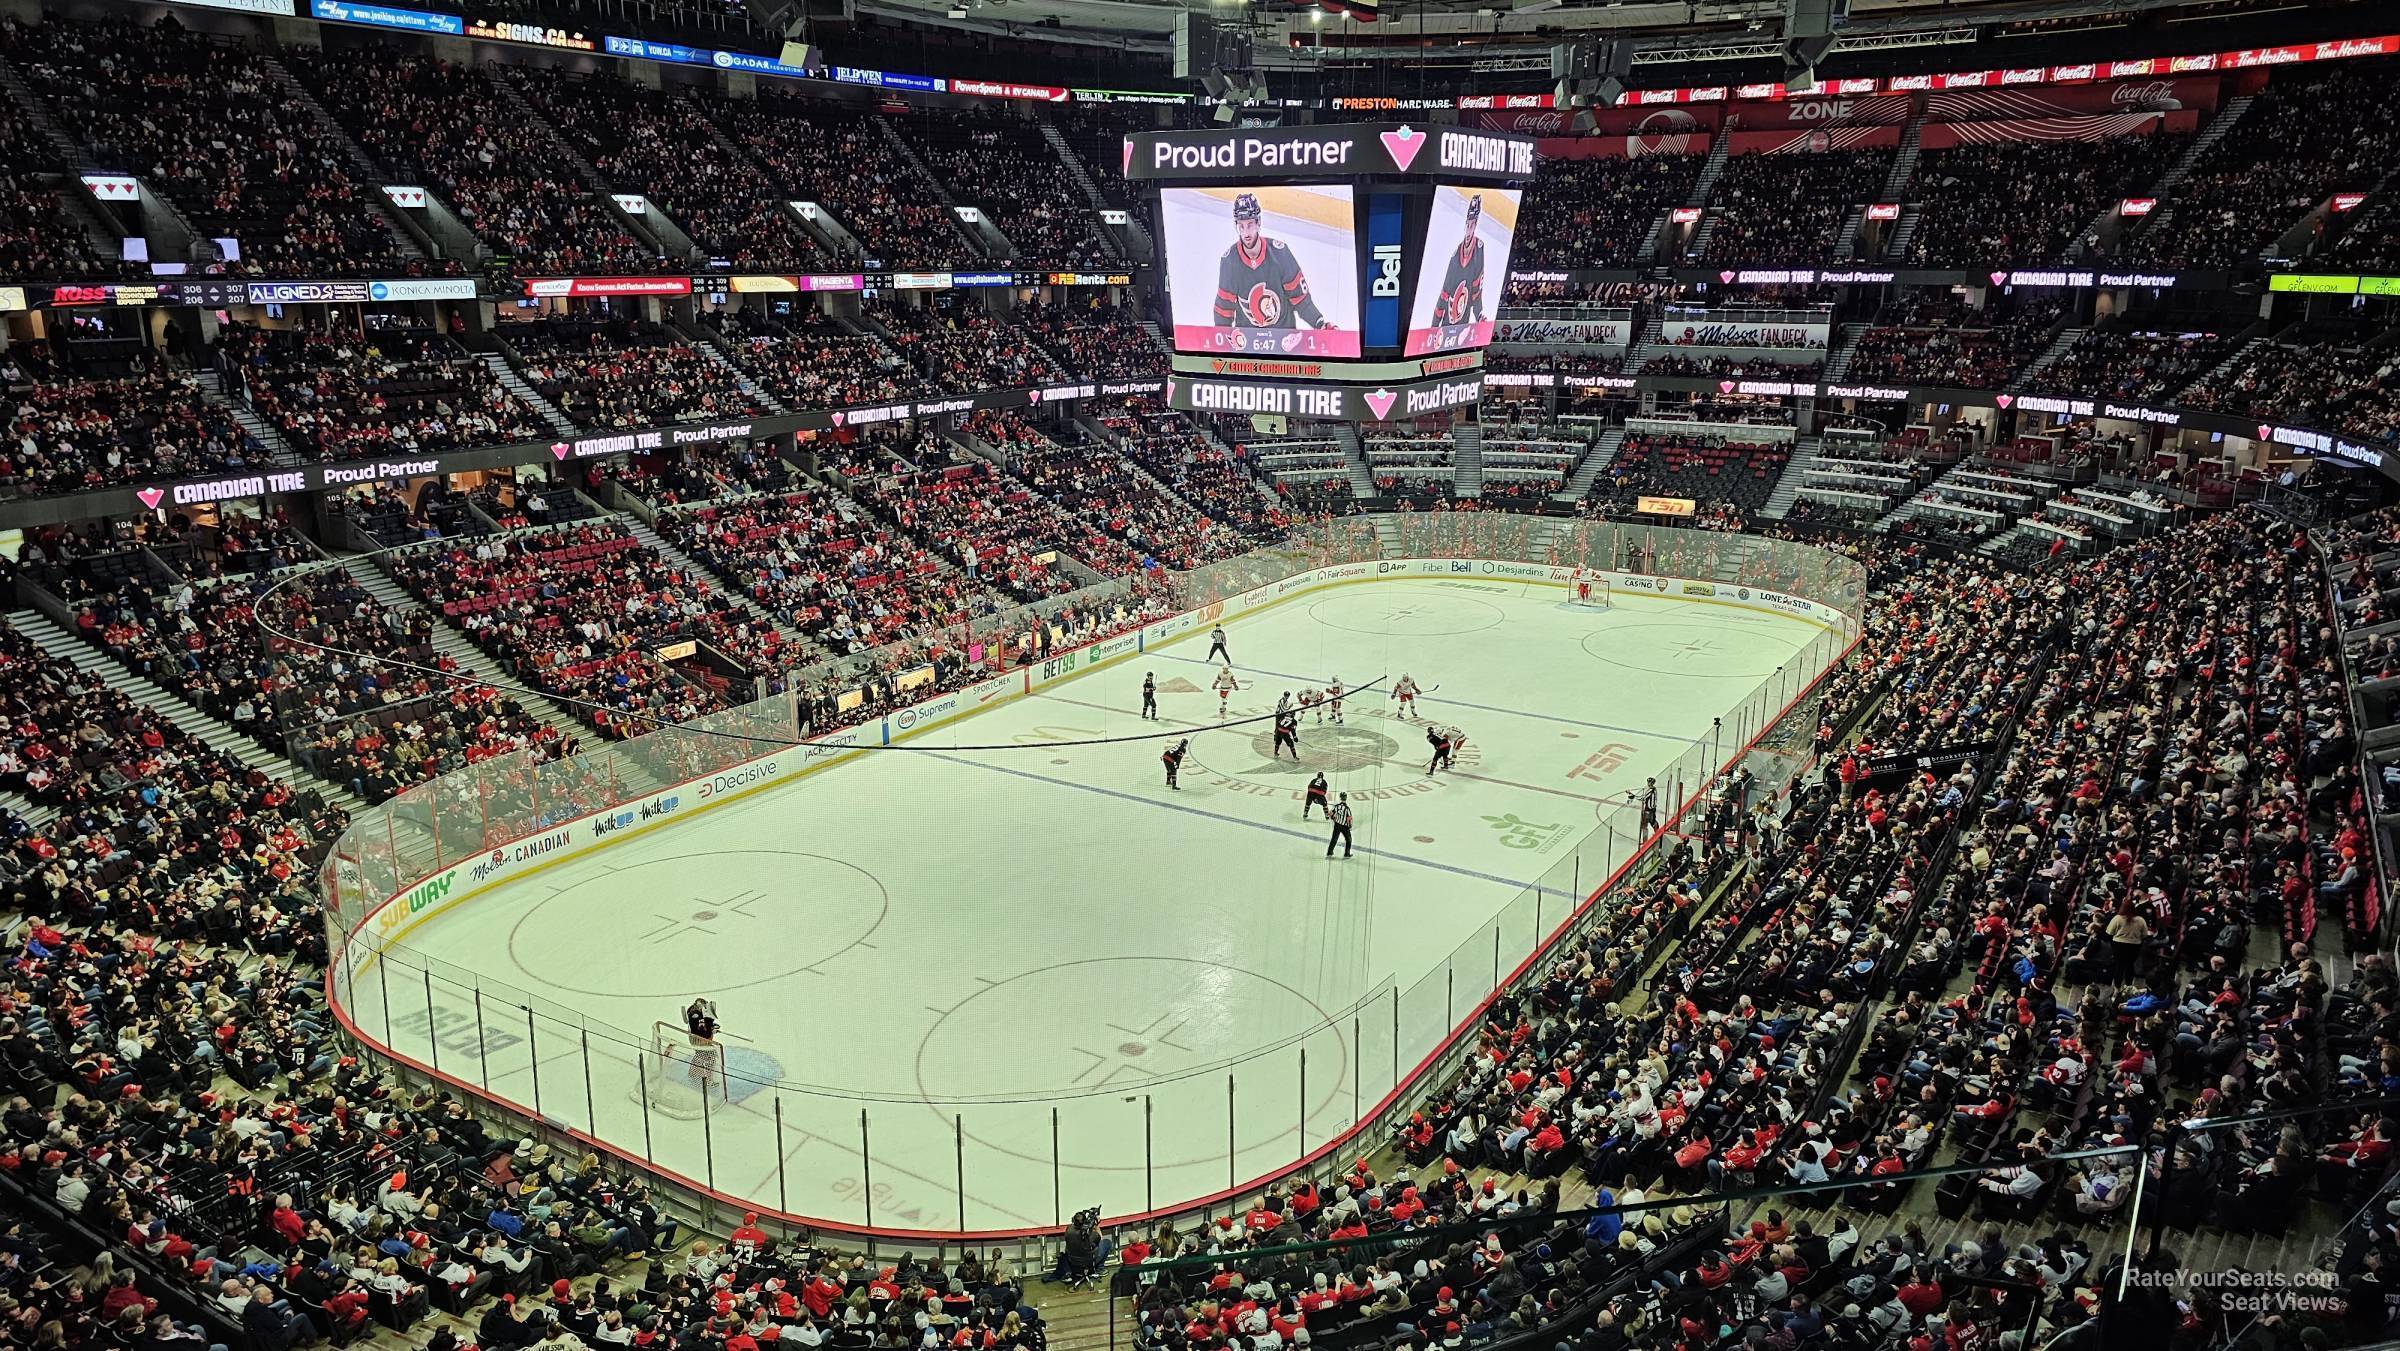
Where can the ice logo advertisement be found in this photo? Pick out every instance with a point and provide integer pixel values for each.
(1468, 239)
(1268, 270)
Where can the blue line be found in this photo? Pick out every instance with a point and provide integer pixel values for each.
(1230, 820)
(1461, 703)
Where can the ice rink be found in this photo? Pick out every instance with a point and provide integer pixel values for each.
(1046, 981)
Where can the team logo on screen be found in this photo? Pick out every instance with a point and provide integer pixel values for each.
(1262, 306)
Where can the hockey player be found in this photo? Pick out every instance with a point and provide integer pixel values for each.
(1333, 701)
(1309, 699)
(1287, 733)
(1224, 685)
(1149, 695)
(1461, 298)
(1583, 587)
(1406, 692)
(1314, 800)
(1445, 742)
(1216, 646)
(1260, 283)
(1172, 758)
(1339, 814)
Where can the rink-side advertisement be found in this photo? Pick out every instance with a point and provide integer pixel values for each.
(557, 842)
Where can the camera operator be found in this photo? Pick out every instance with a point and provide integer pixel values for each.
(1085, 1249)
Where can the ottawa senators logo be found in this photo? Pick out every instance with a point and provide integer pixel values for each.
(1263, 305)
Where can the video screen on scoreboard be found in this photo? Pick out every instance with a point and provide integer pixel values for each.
(1266, 270)
(1467, 242)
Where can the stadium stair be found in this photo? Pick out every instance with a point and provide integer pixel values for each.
(54, 639)
(1354, 456)
(1650, 241)
(1904, 233)
(505, 86)
(1806, 451)
(1720, 146)
(712, 345)
(2059, 346)
(983, 236)
(414, 242)
(1845, 346)
(1904, 163)
(1466, 459)
(1595, 462)
(2191, 157)
(1845, 244)
(1698, 248)
(739, 595)
(2243, 346)
(498, 365)
(1082, 174)
(279, 451)
(450, 643)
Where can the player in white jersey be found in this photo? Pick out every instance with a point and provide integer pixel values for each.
(1406, 692)
(1333, 700)
(1224, 685)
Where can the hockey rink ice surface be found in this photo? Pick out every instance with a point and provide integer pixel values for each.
(959, 942)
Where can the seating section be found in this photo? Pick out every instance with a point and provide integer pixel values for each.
(2348, 380)
(392, 391)
(2026, 201)
(1098, 342)
(211, 125)
(577, 613)
(2286, 155)
(2149, 366)
(836, 157)
(816, 562)
(1196, 469)
(124, 421)
(2370, 241)
(982, 520)
(999, 162)
(609, 375)
(968, 348)
(659, 144)
(1599, 212)
(1127, 521)
(1727, 476)
(1932, 342)
(813, 362)
(38, 237)
(1788, 207)
(445, 126)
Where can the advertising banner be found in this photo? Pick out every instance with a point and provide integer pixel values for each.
(388, 16)
(2124, 96)
(1818, 141)
(2096, 127)
(1818, 110)
(1706, 332)
(1285, 154)
(1565, 332)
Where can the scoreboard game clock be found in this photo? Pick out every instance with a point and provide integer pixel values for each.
(1347, 273)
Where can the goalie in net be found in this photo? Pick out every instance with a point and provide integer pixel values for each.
(683, 1069)
(1588, 587)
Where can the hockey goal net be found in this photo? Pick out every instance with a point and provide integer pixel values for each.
(683, 1076)
(1588, 588)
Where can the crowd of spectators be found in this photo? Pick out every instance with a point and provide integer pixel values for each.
(577, 613)
(659, 143)
(126, 421)
(1194, 467)
(1934, 341)
(619, 374)
(2026, 201)
(837, 158)
(2370, 239)
(990, 525)
(814, 560)
(1098, 341)
(717, 470)
(1126, 521)
(444, 125)
(968, 348)
(2117, 364)
(209, 123)
(810, 361)
(1707, 468)
(1790, 206)
(389, 391)
(2342, 380)
(1671, 362)
(2311, 133)
(1598, 212)
(38, 238)
(998, 161)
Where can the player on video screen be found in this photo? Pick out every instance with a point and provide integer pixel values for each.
(1259, 282)
(1461, 300)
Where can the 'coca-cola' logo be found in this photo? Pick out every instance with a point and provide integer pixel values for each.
(2147, 96)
